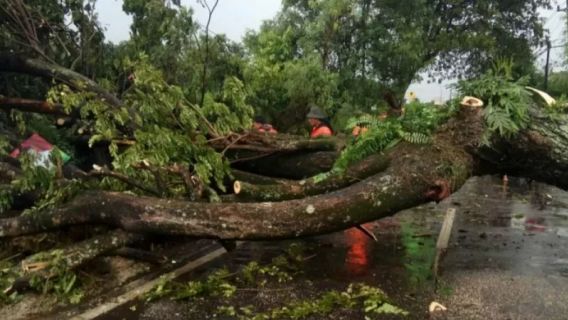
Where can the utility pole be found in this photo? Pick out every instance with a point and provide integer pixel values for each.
(548, 47)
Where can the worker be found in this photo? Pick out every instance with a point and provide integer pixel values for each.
(319, 122)
(261, 125)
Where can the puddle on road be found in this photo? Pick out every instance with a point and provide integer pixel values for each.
(521, 228)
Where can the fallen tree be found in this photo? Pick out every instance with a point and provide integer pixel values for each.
(403, 176)
(411, 178)
(413, 173)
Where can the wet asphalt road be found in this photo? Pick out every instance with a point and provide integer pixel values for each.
(507, 259)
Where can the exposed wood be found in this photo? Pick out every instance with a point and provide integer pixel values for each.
(444, 238)
(256, 178)
(367, 232)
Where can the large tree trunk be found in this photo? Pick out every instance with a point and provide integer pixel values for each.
(410, 180)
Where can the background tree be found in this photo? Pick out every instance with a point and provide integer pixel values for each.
(381, 46)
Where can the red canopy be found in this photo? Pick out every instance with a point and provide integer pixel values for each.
(35, 142)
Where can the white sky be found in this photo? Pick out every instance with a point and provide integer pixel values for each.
(235, 17)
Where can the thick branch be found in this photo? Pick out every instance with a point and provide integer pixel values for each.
(264, 143)
(539, 152)
(11, 62)
(312, 186)
(256, 178)
(34, 106)
(296, 165)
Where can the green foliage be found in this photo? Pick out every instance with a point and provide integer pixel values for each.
(376, 46)
(44, 180)
(7, 277)
(61, 280)
(254, 276)
(253, 273)
(415, 126)
(372, 301)
(167, 127)
(4, 146)
(381, 136)
(55, 278)
(283, 90)
(216, 285)
(506, 102)
(5, 198)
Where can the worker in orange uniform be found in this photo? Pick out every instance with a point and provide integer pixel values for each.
(261, 125)
(319, 122)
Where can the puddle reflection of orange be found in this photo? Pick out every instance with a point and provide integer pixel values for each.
(357, 257)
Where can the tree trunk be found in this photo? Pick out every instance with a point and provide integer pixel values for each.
(414, 172)
(312, 186)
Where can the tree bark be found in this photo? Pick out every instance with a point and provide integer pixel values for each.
(539, 152)
(312, 186)
(12, 62)
(296, 165)
(259, 144)
(34, 106)
(256, 178)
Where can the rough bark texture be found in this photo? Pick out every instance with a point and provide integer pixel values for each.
(281, 143)
(256, 178)
(11, 62)
(297, 165)
(312, 186)
(539, 152)
(35, 106)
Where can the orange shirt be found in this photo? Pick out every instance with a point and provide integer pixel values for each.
(321, 131)
(266, 128)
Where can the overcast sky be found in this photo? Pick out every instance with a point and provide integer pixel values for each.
(235, 17)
